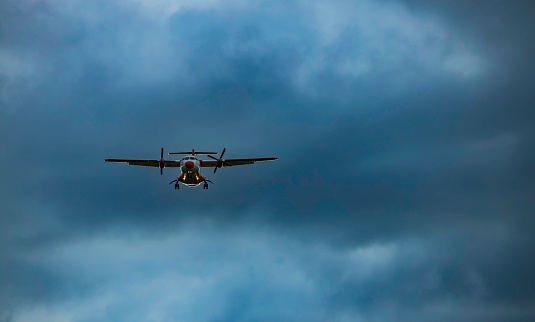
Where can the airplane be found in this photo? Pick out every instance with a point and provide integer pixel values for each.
(190, 166)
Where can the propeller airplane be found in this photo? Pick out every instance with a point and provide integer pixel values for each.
(190, 166)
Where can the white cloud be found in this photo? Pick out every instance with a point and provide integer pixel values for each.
(354, 39)
(366, 38)
(70, 310)
(174, 275)
(204, 271)
(163, 9)
(13, 65)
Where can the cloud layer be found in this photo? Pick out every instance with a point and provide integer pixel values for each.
(403, 189)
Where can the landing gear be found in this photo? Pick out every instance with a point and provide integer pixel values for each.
(206, 183)
(177, 186)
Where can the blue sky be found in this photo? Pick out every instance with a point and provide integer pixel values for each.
(404, 186)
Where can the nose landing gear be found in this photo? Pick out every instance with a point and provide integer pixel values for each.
(177, 185)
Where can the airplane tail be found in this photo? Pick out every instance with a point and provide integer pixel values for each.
(192, 152)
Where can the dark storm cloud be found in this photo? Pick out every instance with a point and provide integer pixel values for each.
(402, 128)
(247, 272)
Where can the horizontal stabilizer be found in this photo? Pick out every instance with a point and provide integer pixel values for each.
(203, 153)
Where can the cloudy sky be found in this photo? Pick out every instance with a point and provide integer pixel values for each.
(403, 191)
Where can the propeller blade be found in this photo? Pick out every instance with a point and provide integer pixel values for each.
(212, 157)
(161, 162)
(222, 153)
(225, 163)
(215, 169)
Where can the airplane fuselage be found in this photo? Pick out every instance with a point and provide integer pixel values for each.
(191, 172)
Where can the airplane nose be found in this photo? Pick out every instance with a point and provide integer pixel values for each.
(189, 164)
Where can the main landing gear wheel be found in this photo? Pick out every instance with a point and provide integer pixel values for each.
(206, 183)
(177, 186)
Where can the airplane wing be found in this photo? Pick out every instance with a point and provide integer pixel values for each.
(146, 163)
(234, 162)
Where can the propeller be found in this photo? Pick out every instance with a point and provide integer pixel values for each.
(161, 163)
(220, 160)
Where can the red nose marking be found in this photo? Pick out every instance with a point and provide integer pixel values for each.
(189, 164)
